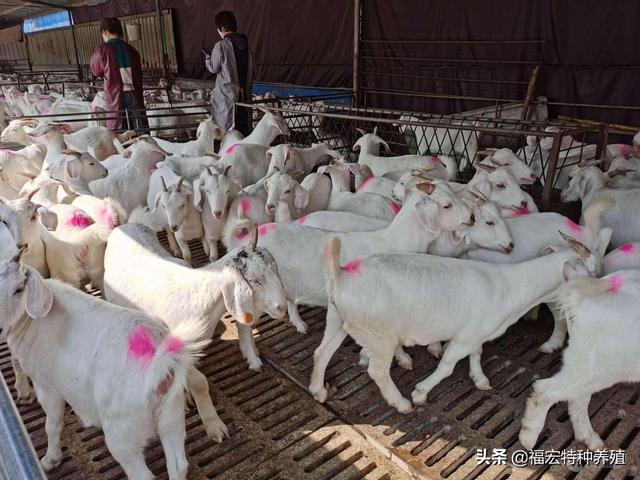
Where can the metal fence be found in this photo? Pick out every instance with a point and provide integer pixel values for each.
(550, 148)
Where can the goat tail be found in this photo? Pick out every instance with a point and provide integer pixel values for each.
(571, 294)
(112, 213)
(143, 216)
(332, 264)
(595, 210)
(172, 357)
(237, 233)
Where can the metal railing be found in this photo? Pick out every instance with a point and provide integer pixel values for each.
(461, 137)
(18, 459)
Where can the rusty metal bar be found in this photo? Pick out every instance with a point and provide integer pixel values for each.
(615, 126)
(75, 45)
(552, 164)
(458, 42)
(603, 140)
(449, 60)
(445, 79)
(162, 39)
(408, 93)
(530, 92)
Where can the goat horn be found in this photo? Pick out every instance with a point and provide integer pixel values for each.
(580, 248)
(254, 237)
(18, 256)
(28, 175)
(361, 131)
(426, 187)
(208, 170)
(30, 195)
(164, 185)
(591, 163)
(226, 170)
(620, 171)
(179, 186)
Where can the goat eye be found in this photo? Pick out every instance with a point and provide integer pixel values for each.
(34, 216)
(19, 291)
(448, 206)
(91, 164)
(500, 186)
(287, 192)
(491, 223)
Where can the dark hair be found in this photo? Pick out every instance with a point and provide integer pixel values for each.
(227, 20)
(111, 25)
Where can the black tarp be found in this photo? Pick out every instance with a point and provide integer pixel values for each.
(592, 49)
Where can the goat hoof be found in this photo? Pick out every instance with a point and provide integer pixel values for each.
(50, 462)
(217, 430)
(26, 398)
(405, 406)
(484, 386)
(419, 397)
(548, 347)
(406, 364)
(593, 443)
(301, 327)
(255, 363)
(527, 438)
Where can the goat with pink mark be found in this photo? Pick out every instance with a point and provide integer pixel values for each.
(587, 184)
(299, 161)
(604, 326)
(626, 256)
(206, 134)
(361, 203)
(129, 371)
(623, 173)
(368, 147)
(430, 210)
(407, 299)
(245, 282)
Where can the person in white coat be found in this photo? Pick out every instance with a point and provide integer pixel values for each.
(231, 61)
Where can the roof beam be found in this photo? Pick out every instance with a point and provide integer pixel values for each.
(47, 4)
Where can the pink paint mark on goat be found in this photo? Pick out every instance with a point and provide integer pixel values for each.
(395, 208)
(574, 227)
(245, 205)
(625, 150)
(435, 160)
(107, 217)
(46, 111)
(173, 344)
(79, 221)
(6, 151)
(521, 212)
(301, 220)
(353, 268)
(615, 283)
(141, 344)
(365, 183)
(266, 228)
(627, 248)
(232, 148)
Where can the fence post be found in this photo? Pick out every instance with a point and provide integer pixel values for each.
(126, 113)
(550, 174)
(162, 39)
(356, 51)
(75, 45)
(603, 140)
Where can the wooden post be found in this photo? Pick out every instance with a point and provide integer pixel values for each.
(357, 4)
(530, 92)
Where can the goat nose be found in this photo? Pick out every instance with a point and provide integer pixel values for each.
(509, 247)
(23, 247)
(523, 204)
(472, 219)
(174, 228)
(217, 213)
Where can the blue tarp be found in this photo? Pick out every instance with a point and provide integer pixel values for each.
(332, 95)
(47, 22)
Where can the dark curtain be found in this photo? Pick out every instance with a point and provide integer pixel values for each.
(303, 42)
(592, 50)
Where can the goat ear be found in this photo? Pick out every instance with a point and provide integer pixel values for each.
(48, 219)
(481, 188)
(127, 153)
(549, 249)
(375, 130)
(301, 199)
(427, 213)
(569, 271)
(238, 297)
(74, 168)
(386, 146)
(157, 202)
(356, 147)
(197, 194)
(39, 295)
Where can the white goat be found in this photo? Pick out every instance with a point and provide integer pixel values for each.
(604, 322)
(188, 167)
(245, 282)
(268, 128)
(213, 193)
(367, 204)
(587, 184)
(206, 134)
(183, 220)
(98, 141)
(389, 310)
(299, 161)
(623, 173)
(368, 147)
(624, 257)
(128, 370)
(432, 209)
(249, 161)
(504, 157)
(16, 131)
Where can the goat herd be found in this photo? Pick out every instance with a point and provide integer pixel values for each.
(390, 262)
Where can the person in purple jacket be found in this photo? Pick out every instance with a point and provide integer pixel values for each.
(119, 64)
(231, 61)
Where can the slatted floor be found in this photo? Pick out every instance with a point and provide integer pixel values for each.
(279, 431)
